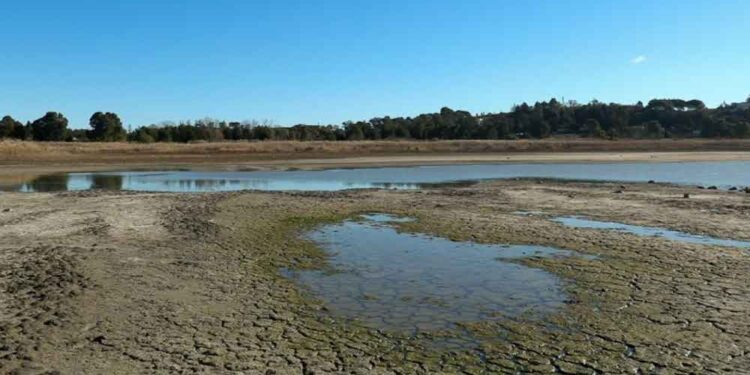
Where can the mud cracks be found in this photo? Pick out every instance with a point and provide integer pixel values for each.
(144, 283)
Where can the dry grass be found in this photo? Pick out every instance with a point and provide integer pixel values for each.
(24, 152)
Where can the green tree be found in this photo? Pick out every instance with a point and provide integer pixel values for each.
(355, 133)
(491, 133)
(654, 129)
(742, 130)
(263, 132)
(720, 128)
(52, 126)
(593, 128)
(22, 132)
(106, 127)
(142, 135)
(538, 126)
(9, 128)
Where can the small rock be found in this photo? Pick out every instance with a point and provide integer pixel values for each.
(712, 187)
(701, 187)
(686, 195)
(618, 191)
(747, 190)
(733, 188)
(7, 210)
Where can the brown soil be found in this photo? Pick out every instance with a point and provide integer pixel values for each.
(41, 157)
(102, 282)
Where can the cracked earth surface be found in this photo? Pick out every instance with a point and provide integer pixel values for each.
(102, 282)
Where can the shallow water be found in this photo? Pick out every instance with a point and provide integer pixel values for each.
(415, 282)
(386, 218)
(721, 174)
(580, 222)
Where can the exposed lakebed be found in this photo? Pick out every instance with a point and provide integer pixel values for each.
(413, 283)
(721, 174)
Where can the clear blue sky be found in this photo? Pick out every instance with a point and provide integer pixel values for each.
(331, 61)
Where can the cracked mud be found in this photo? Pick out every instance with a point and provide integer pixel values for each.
(101, 282)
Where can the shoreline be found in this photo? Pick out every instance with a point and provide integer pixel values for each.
(31, 168)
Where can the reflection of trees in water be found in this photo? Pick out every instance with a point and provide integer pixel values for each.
(106, 182)
(46, 183)
(198, 185)
(193, 184)
(386, 185)
(166, 182)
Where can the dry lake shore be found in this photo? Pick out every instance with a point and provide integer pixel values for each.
(34, 158)
(118, 282)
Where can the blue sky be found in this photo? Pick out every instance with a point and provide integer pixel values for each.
(331, 61)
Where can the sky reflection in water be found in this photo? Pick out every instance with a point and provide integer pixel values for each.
(580, 222)
(722, 174)
(415, 282)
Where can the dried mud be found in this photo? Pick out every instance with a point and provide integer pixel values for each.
(102, 282)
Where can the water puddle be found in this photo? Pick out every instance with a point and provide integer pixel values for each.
(416, 283)
(385, 218)
(580, 222)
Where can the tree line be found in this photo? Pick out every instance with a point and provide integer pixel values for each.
(660, 118)
(53, 126)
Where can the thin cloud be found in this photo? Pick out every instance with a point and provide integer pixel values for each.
(638, 59)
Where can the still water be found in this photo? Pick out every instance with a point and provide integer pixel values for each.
(579, 222)
(414, 282)
(721, 174)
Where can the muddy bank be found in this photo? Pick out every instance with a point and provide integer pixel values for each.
(157, 283)
(36, 158)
